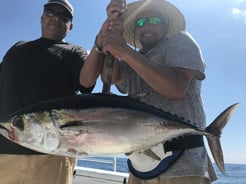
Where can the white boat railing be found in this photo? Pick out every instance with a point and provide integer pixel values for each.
(99, 159)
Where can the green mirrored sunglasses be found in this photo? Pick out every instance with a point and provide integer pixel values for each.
(151, 20)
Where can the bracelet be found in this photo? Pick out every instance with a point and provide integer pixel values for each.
(98, 50)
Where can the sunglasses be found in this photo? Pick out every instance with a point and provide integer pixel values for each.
(61, 15)
(151, 20)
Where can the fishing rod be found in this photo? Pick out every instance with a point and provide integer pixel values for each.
(109, 68)
(108, 73)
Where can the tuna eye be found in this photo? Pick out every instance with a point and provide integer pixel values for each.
(18, 123)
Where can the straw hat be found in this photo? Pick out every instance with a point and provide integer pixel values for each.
(175, 18)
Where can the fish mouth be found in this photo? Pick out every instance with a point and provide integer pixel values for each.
(9, 132)
(3, 127)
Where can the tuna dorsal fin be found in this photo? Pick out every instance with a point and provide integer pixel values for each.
(215, 130)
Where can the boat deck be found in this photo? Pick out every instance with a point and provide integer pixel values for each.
(85, 175)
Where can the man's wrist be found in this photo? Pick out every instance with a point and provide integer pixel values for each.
(97, 48)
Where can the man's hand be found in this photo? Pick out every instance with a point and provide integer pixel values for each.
(114, 22)
(116, 6)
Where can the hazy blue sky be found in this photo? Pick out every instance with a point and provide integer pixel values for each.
(219, 26)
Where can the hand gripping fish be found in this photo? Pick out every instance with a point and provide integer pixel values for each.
(103, 124)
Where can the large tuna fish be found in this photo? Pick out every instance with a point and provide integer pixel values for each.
(103, 124)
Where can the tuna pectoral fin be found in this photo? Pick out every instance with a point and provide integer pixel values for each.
(151, 154)
(148, 153)
(215, 130)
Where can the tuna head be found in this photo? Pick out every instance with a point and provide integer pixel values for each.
(34, 130)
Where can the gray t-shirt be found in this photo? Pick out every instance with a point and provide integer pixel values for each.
(181, 50)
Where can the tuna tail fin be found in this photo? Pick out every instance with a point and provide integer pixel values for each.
(215, 131)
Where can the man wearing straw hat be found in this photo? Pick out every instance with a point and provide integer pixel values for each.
(159, 64)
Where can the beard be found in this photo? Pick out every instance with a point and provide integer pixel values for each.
(148, 44)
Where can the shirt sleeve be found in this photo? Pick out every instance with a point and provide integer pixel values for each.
(183, 51)
(79, 54)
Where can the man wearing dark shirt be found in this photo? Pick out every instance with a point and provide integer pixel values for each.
(35, 71)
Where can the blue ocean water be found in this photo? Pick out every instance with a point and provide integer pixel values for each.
(235, 173)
